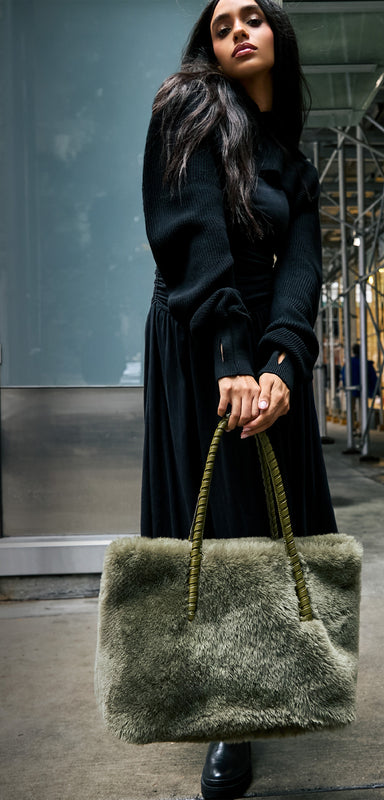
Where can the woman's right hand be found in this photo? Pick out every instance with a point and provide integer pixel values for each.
(242, 393)
(254, 406)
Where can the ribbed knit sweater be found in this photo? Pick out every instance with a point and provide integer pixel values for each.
(192, 244)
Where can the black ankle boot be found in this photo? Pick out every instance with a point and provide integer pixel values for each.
(227, 771)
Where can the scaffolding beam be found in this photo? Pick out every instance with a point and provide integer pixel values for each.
(346, 303)
(363, 310)
(319, 376)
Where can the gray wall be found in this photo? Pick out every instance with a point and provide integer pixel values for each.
(76, 274)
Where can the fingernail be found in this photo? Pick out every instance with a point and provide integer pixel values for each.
(263, 404)
(246, 430)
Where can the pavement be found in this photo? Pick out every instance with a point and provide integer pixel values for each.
(53, 745)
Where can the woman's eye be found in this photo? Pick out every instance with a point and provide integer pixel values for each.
(254, 22)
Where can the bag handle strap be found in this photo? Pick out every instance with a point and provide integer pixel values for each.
(275, 495)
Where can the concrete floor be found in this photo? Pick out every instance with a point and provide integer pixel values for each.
(53, 744)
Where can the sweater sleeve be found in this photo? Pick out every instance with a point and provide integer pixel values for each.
(297, 286)
(187, 233)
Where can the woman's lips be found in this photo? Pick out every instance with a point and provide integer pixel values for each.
(242, 49)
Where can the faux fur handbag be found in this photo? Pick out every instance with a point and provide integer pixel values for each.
(239, 639)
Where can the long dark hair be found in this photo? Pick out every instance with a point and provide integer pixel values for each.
(200, 98)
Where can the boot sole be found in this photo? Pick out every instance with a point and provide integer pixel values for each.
(224, 790)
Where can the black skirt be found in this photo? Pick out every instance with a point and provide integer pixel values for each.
(181, 398)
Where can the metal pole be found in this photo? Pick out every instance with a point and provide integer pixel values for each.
(346, 304)
(379, 356)
(374, 122)
(331, 340)
(363, 310)
(331, 159)
(319, 375)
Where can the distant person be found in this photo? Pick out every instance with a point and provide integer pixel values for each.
(355, 373)
(356, 381)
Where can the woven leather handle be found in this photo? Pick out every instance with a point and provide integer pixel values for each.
(275, 495)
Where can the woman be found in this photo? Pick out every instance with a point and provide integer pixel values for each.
(232, 219)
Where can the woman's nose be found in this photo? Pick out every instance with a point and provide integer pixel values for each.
(238, 31)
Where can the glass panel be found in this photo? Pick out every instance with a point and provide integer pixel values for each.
(71, 460)
(348, 91)
(332, 38)
(76, 268)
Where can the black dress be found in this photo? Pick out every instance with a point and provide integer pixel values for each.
(225, 305)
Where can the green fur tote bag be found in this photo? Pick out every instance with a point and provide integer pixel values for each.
(232, 640)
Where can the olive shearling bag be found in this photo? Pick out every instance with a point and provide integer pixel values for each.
(231, 639)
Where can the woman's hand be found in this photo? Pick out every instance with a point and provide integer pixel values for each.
(273, 403)
(254, 406)
(242, 394)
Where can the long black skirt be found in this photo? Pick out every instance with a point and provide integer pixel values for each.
(181, 398)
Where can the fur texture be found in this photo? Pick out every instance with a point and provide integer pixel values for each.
(246, 666)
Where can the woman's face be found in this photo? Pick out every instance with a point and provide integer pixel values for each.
(242, 40)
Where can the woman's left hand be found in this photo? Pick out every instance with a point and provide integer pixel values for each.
(273, 403)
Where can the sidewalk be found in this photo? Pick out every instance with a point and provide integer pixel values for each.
(54, 746)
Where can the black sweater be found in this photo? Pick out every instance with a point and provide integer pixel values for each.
(191, 243)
